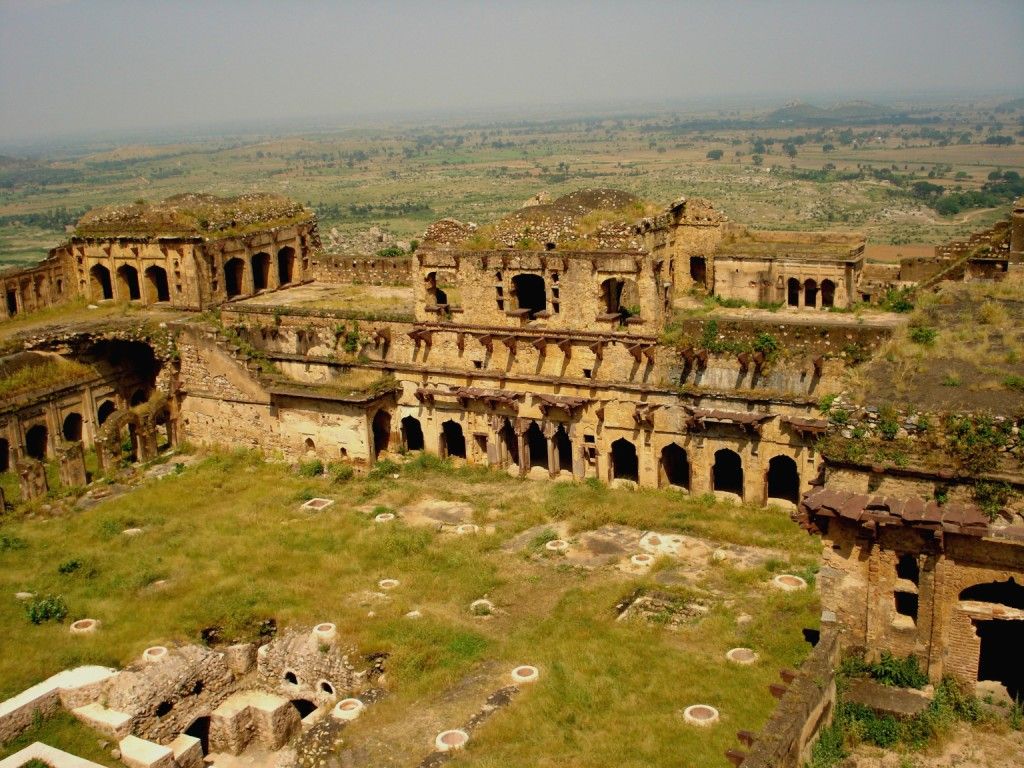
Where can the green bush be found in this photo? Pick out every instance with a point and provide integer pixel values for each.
(922, 334)
(69, 566)
(888, 422)
(384, 468)
(340, 472)
(897, 300)
(48, 608)
(311, 468)
(1015, 383)
(8, 542)
(897, 672)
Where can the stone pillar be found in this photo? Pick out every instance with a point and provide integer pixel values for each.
(524, 451)
(145, 442)
(32, 478)
(108, 450)
(72, 464)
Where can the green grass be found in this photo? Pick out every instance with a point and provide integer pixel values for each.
(63, 731)
(228, 536)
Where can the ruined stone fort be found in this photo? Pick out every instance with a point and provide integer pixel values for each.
(555, 342)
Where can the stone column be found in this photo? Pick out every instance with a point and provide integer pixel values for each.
(72, 464)
(32, 479)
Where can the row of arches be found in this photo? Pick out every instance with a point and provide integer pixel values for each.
(807, 294)
(157, 289)
(259, 265)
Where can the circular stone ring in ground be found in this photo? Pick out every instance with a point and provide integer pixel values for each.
(557, 545)
(348, 709)
(446, 741)
(742, 656)
(642, 560)
(700, 714)
(384, 517)
(525, 674)
(326, 632)
(466, 529)
(387, 583)
(85, 626)
(787, 582)
(154, 654)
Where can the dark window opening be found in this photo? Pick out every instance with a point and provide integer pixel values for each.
(793, 292)
(381, 432)
(1008, 593)
(538, 446)
(625, 463)
(138, 397)
(587, 372)
(309, 445)
(530, 293)
(412, 433)
(12, 302)
(164, 708)
(285, 265)
(234, 271)
(810, 293)
(35, 442)
(200, 729)
(727, 472)
(327, 688)
(128, 281)
(563, 449)
(72, 427)
(783, 479)
(453, 441)
(5, 455)
(675, 466)
(198, 687)
(106, 408)
(304, 707)
(156, 285)
(828, 293)
(907, 568)
(906, 604)
(260, 271)
(99, 279)
(434, 294)
(290, 677)
(999, 658)
(620, 297)
(698, 269)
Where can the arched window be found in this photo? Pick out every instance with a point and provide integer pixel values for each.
(828, 293)
(381, 432)
(620, 297)
(625, 464)
(100, 286)
(537, 445)
(810, 293)
(412, 433)
(260, 271)
(675, 466)
(783, 480)
(434, 294)
(453, 441)
(510, 443)
(72, 427)
(234, 274)
(104, 410)
(286, 265)
(36, 439)
(128, 283)
(156, 285)
(727, 472)
(793, 292)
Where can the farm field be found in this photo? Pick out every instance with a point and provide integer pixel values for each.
(774, 170)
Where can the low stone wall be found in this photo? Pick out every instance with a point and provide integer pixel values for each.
(373, 270)
(804, 709)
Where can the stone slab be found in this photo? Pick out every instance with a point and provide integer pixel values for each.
(886, 700)
(57, 758)
(139, 753)
(108, 721)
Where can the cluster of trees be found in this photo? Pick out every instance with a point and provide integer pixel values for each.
(54, 218)
(337, 212)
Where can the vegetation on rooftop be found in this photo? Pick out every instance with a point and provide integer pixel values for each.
(41, 374)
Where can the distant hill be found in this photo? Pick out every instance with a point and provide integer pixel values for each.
(839, 113)
(1010, 105)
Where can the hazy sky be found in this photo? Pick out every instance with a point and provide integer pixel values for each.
(68, 67)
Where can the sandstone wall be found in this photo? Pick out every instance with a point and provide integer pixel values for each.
(371, 270)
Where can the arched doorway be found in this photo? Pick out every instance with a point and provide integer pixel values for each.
(453, 441)
(99, 281)
(200, 729)
(793, 292)
(106, 408)
(260, 271)
(434, 294)
(698, 269)
(412, 433)
(675, 466)
(828, 293)
(36, 442)
(537, 446)
(810, 293)
(381, 432)
(1000, 640)
(12, 302)
(156, 285)
(727, 472)
(72, 427)
(530, 293)
(510, 443)
(783, 479)
(234, 273)
(285, 265)
(625, 463)
(304, 707)
(128, 283)
(563, 449)
(5, 455)
(620, 296)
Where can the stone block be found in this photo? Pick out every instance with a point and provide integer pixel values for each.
(188, 751)
(139, 753)
(108, 721)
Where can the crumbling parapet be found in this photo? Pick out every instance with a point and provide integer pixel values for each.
(32, 478)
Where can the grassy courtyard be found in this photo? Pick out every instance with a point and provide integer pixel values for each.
(225, 544)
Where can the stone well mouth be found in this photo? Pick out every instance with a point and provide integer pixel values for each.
(384, 517)
(525, 673)
(388, 583)
(700, 714)
(82, 626)
(642, 559)
(325, 632)
(326, 627)
(466, 528)
(348, 709)
(155, 653)
(789, 583)
(741, 656)
(557, 545)
(449, 740)
(318, 503)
